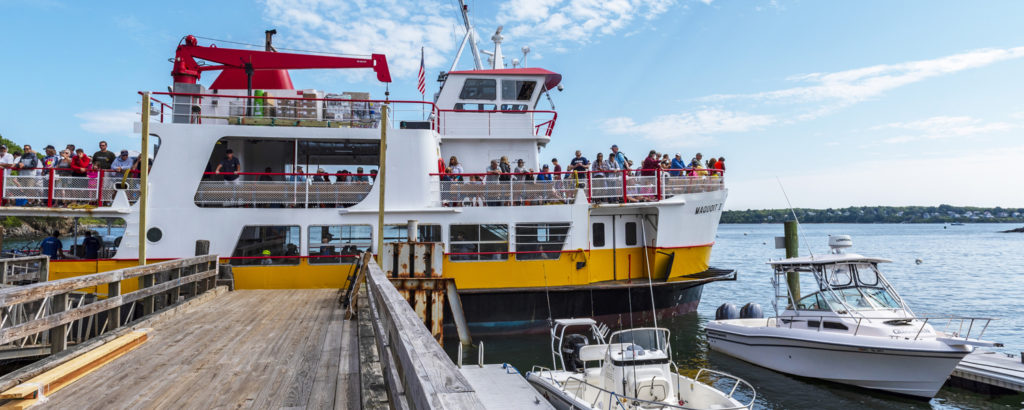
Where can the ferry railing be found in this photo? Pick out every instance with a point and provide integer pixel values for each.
(547, 188)
(949, 321)
(74, 310)
(289, 110)
(491, 122)
(54, 187)
(282, 189)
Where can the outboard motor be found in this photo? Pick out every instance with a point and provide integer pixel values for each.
(727, 311)
(571, 351)
(751, 311)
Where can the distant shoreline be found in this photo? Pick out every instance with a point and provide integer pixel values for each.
(880, 214)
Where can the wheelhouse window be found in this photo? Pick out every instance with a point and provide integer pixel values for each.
(479, 89)
(400, 233)
(478, 242)
(338, 243)
(540, 241)
(476, 107)
(267, 245)
(517, 90)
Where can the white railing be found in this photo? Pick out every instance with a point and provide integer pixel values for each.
(301, 194)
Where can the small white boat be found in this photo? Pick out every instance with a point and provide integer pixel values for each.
(634, 370)
(853, 329)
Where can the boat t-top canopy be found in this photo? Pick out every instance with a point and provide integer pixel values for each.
(583, 321)
(827, 259)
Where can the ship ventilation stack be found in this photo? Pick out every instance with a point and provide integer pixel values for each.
(839, 242)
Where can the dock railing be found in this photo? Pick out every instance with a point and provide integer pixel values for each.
(22, 270)
(415, 367)
(51, 313)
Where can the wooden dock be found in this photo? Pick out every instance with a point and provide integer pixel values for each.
(244, 349)
(988, 372)
(179, 342)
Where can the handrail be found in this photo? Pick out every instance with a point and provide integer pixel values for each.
(734, 386)
(410, 349)
(160, 284)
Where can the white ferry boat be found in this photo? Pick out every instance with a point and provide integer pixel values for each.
(521, 248)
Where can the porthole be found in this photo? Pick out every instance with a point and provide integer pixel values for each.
(154, 235)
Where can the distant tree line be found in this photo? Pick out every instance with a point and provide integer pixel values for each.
(879, 214)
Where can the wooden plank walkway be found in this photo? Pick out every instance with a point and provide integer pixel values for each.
(244, 349)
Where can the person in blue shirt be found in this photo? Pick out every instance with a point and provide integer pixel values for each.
(52, 247)
(677, 165)
(545, 173)
(91, 245)
(579, 163)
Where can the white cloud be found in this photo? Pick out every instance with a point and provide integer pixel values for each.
(544, 22)
(847, 87)
(689, 128)
(116, 122)
(396, 28)
(942, 127)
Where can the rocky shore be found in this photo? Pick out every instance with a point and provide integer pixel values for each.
(1019, 230)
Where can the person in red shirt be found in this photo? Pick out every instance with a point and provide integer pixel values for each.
(720, 165)
(80, 164)
(651, 163)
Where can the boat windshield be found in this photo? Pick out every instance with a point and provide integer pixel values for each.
(649, 339)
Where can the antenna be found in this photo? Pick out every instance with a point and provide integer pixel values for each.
(526, 50)
(791, 210)
(499, 61)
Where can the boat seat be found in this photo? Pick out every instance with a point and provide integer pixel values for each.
(593, 352)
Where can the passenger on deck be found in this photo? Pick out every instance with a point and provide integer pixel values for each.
(520, 170)
(373, 175)
(52, 246)
(545, 173)
(506, 169)
(557, 169)
(579, 163)
(71, 149)
(359, 177)
(27, 163)
(230, 167)
(650, 164)
(102, 158)
(695, 162)
(297, 178)
(456, 167)
(91, 245)
(64, 163)
(340, 176)
(51, 159)
(613, 165)
(265, 177)
(720, 165)
(666, 163)
(123, 162)
(6, 161)
(600, 166)
(619, 158)
(677, 165)
(493, 171)
(321, 175)
(80, 164)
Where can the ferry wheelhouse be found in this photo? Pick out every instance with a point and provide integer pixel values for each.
(521, 248)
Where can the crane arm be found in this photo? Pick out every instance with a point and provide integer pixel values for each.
(187, 70)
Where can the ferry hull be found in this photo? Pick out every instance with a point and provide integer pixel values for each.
(507, 311)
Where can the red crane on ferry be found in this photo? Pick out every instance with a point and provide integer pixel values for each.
(187, 70)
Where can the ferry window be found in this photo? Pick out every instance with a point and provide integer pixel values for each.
(475, 107)
(267, 245)
(338, 243)
(479, 89)
(513, 107)
(540, 241)
(517, 90)
(866, 275)
(598, 234)
(478, 242)
(630, 233)
(400, 233)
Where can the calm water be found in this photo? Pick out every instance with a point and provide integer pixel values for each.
(968, 270)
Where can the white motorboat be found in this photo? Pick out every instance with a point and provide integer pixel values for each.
(854, 329)
(634, 370)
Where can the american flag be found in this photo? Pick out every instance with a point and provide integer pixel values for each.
(422, 85)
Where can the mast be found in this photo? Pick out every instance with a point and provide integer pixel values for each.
(470, 37)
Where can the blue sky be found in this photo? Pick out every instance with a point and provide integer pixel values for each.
(847, 103)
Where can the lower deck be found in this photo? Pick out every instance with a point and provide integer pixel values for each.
(244, 349)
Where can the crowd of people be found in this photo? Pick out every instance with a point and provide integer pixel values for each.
(68, 162)
(614, 164)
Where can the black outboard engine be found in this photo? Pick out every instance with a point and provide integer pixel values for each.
(727, 311)
(751, 311)
(571, 351)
